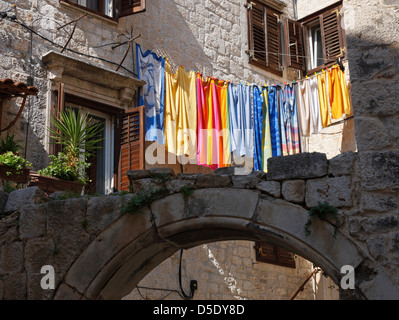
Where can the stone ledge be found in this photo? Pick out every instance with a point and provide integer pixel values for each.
(298, 166)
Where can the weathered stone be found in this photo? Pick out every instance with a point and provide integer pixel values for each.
(294, 190)
(377, 249)
(148, 184)
(3, 200)
(336, 191)
(187, 176)
(371, 134)
(379, 170)
(12, 257)
(378, 202)
(175, 185)
(15, 287)
(343, 164)
(380, 224)
(270, 187)
(101, 212)
(65, 292)
(39, 252)
(137, 174)
(248, 181)
(212, 181)
(298, 166)
(18, 198)
(32, 221)
(64, 224)
(9, 227)
(162, 171)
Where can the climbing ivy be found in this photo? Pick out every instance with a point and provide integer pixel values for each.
(323, 211)
(141, 199)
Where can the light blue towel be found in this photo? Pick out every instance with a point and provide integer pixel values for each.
(241, 123)
(151, 68)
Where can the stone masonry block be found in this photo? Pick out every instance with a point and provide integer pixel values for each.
(336, 191)
(343, 164)
(18, 198)
(294, 190)
(272, 188)
(298, 166)
(379, 170)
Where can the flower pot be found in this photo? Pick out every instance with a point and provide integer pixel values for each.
(51, 185)
(13, 175)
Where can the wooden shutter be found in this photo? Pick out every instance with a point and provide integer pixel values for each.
(132, 144)
(128, 7)
(295, 45)
(273, 40)
(264, 35)
(275, 255)
(331, 34)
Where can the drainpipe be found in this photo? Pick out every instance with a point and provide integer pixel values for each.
(295, 6)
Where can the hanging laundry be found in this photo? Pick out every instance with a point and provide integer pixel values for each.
(241, 124)
(213, 147)
(338, 93)
(262, 139)
(181, 112)
(274, 121)
(308, 106)
(323, 97)
(315, 116)
(151, 69)
(289, 122)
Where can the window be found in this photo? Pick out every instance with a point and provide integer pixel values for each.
(121, 150)
(110, 8)
(323, 40)
(309, 45)
(275, 255)
(264, 34)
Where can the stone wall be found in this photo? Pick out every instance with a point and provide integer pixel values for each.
(101, 251)
(373, 44)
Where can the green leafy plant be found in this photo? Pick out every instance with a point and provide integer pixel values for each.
(186, 191)
(14, 161)
(79, 136)
(9, 144)
(323, 211)
(141, 199)
(67, 166)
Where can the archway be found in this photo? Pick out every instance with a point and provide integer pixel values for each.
(112, 265)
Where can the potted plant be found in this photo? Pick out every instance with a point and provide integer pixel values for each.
(13, 167)
(67, 169)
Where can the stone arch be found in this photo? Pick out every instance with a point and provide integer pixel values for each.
(113, 264)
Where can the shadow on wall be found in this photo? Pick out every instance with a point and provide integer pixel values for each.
(165, 30)
(373, 52)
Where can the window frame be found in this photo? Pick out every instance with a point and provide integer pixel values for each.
(99, 13)
(251, 41)
(318, 16)
(116, 9)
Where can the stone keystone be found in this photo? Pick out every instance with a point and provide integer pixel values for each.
(298, 166)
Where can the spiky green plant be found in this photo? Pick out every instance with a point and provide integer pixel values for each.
(75, 132)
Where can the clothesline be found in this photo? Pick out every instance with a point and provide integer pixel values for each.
(211, 119)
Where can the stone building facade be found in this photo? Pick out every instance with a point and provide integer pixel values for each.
(212, 37)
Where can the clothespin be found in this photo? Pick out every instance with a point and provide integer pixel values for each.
(286, 83)
(307, 77)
